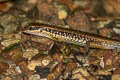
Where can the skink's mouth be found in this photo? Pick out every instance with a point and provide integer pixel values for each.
(26, 32)
(34, 32)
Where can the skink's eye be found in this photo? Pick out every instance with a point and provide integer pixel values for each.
(35, 28)
(32, 28)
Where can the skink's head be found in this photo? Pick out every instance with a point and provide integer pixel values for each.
(37, 29)
(33, 29)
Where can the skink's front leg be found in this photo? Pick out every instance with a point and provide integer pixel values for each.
(86, 47)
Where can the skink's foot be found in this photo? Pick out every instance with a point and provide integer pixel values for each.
(86, 48)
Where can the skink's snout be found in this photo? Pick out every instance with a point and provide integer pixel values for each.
(26, 29)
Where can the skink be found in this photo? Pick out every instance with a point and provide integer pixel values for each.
(72, 36)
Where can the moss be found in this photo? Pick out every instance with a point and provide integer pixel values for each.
(63, 50)
(11, 47)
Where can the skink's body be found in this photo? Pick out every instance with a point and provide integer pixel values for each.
(72, 36)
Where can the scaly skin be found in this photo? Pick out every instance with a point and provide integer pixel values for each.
(72, 36)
